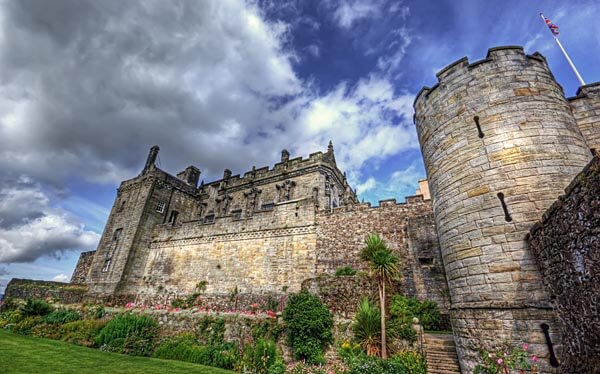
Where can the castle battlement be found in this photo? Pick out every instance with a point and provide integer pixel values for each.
(464, 71)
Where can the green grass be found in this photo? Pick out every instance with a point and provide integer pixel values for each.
(25, 354)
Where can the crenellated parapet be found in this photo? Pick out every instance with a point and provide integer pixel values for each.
(500, 144)
(586, 109)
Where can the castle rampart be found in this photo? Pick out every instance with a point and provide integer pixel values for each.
(500, 144)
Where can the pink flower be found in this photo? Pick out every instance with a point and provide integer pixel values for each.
(500, 361)
(525, 346)
(535, 358)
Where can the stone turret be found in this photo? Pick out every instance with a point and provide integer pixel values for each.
(500, 145)
(586, 109)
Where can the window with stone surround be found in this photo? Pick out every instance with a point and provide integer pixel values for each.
(117, 234)
(106, 265)
(173, 217)
(210, 218)
(160, 207)
(237, 214)
(268, 206)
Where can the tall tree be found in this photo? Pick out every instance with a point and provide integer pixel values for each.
(384, 267)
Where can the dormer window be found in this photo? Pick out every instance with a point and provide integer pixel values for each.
(160, 207)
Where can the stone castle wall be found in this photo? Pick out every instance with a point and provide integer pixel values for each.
(407, 228)
(500, 144)
(270, 253)
(586, 109)
(84, 264)
(567, 245)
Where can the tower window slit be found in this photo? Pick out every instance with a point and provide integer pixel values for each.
(507, 216)
(476, 119)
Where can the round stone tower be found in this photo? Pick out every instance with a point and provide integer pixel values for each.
(500, 144)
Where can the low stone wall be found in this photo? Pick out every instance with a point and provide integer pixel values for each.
(341, 294)
(566, 244)
(66, 293)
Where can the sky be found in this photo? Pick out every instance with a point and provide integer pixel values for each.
(87, 87)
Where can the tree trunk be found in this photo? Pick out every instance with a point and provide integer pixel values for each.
(382, 302)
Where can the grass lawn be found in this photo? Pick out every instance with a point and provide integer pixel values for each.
(25, 354)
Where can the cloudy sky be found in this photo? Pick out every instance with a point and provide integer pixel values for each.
(86, 87)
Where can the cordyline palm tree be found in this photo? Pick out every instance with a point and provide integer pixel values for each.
(384, 267)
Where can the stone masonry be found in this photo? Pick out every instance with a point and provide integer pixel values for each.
(260, 234)
(567, 245)
(500, 144)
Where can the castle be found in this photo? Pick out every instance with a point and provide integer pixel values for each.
(500, 143)
(262, 233)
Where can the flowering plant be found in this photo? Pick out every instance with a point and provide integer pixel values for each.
(506, 359)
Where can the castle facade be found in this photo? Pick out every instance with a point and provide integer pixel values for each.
(500, 142)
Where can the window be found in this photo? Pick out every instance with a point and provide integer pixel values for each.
(210, 218)
(173, 217)
(237, 214)
(122, 206)
(106, 265)
(160, 207)
(268, 206)
(117, 234)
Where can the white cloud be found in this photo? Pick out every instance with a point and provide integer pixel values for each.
(32, 228)
(348, 12)
(399, 184)
(369, 184)
(61, 278)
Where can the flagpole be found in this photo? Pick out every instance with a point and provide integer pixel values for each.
(566, 55)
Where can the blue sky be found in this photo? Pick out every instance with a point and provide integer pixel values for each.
(87, 87)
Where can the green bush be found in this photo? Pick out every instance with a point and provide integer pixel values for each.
(36, 307)
(10, 317)
(184, 347)
(309, 323)
(210, 331)
(128, 333)
(405, 308)
(405, 362)
(366, 327)
(48, 331)
(82, 332)
(61, 316)
(346, 270)
(25, 325)
(262, 358)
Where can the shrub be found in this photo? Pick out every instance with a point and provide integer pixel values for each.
(98, 312)
(262, 358)
(309, 323)
(405, 308)
(36, 307)
(211, 332)
(267, 329)
(128, 333)
(405, 362)
(48, 331)
(184, 347)
(82, 332)
(10, 317)
(346, 270)
(25, 325)
(60, 316)
(367, 327)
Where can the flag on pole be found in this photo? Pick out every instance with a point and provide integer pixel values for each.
(553, 28)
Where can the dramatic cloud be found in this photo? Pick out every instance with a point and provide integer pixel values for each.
(30, 228)
(87, 87)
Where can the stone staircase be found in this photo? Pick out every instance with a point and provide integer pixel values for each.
(441, 354)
